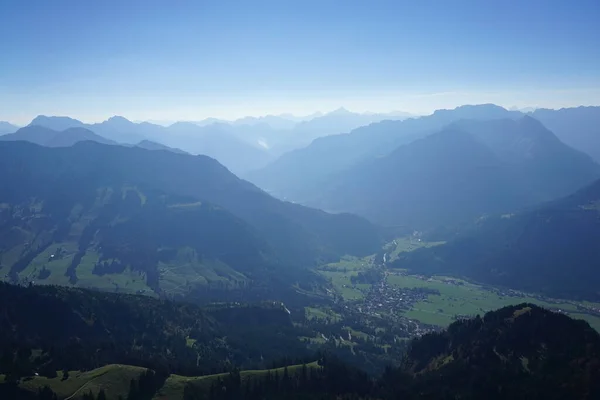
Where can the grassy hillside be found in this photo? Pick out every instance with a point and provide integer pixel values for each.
(175, 384)
(517, 352)
(115, 380)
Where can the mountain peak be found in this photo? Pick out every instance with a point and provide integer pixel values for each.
(7, 127)
(485, 106)
(57, 123)
(340, 111)
(119, 119)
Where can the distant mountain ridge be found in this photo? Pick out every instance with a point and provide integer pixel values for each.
(150, 145)
(210, 140)
(52, 138)
(468, 169)
(7, 127)
(242, 145)
(579, 127)
(297, 174)
(250, 145)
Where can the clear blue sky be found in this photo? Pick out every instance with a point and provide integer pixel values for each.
(191, 59)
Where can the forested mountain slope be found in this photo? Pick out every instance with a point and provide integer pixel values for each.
(44, 329)
(468, 169)
(160, 221)
(553, 249)
(300, 174)
(517, 352)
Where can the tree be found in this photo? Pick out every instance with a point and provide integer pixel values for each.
(101, 395)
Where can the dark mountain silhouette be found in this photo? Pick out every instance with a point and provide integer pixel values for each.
(75, 329)
(551, 249)
(51, 138)
(517, 352)
(6, 127)
(578, 127)
(116, 209)
(469, 169)
(296, 175)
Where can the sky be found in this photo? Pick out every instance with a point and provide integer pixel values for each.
(188, 60)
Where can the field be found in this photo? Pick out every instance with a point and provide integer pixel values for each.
(406, 244)
(188, 271)
(459, 297)
(56, 260)
(176, 278)
(340, 273)
(174, 385)
(114, 379)
(322, 313)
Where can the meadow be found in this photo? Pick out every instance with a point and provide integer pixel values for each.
(340, 274)
(461, 298)
(115, 380)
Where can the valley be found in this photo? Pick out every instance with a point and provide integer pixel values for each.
(310, 200)
(424, 303)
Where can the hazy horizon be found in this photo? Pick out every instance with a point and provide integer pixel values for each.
(296, 115)
(156, 61)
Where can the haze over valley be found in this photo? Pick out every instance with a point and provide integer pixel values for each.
(322, 200)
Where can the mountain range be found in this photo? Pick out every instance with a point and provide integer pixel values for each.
(242, 145)
(297, 174)
(269, 149)
(468, 169)
(211, 140)
(53, 138)
(133, 220)
(579, 127)
(550, 248)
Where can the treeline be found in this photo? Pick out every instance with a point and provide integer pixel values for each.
(332, 379)
(518, 352)
(44, 329)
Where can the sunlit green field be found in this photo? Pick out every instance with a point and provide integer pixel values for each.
(406, 244)
(470, 299)
(340, 273)
(174, 385)
(114, 379)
